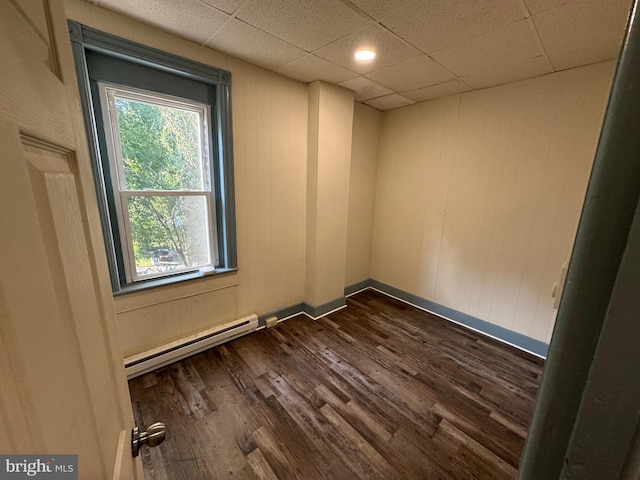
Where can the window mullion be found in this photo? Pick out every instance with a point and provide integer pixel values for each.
(114, 134)
(127, 240)
(164, 193)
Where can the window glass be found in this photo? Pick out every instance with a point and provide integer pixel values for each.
(158, 153)
(169, 234)
(161, 146)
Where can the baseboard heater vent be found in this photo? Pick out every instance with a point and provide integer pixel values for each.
(144, 362)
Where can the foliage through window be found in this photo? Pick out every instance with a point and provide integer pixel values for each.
(160, 169)
(159, 131)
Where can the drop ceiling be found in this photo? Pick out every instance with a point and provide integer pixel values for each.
(425, 48)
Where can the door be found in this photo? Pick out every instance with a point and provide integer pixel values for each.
(63, 388)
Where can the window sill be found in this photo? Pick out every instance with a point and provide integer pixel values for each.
(161, 282)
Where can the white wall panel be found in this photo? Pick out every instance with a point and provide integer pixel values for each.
(329, 158)
(478, 195)
(270, 128)
(362, 192)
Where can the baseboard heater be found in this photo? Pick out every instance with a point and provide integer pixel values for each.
(144, 362)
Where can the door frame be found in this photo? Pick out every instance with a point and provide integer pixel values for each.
(593, 315)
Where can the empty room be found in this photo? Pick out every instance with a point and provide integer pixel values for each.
(335, 239)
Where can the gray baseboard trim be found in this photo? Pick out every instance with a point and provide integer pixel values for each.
(325, 308)
(357, 287)
(281, 314)
(502, 334)
(311, 311)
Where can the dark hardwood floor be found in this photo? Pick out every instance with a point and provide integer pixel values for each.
(376, 390)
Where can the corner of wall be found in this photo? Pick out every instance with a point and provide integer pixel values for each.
(329, 158)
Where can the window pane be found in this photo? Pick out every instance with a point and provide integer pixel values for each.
(169, 234)
(161, 146)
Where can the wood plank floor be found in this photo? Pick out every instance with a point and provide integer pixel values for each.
(378, 390)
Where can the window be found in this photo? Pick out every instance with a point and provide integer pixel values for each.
(159, 158)
(159, 130)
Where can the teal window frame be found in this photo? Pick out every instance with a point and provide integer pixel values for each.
(100, 56)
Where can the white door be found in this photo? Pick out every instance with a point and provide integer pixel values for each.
(62, 383)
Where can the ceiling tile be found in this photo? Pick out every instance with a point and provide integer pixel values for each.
(582, 24)
(379, 8)
(310, 68)
(410, 75)
(227, 6)
(538, 6)
(390, 50)
(189, 19)
(426, 48)
(584, 56)
(309, 24)
(365, 88)
(501, 47)
(437, 91)
(511, 73)
(389, 102)
(431, 25)
(255, 46)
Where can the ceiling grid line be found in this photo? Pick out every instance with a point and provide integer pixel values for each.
(231, 17)
(425, 48)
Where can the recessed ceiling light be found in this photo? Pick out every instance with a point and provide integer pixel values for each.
(365, 55)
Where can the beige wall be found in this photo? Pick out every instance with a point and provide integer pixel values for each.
(362, 192)
(270, 150)
(473, 200)
(329, 157)
(478, 195)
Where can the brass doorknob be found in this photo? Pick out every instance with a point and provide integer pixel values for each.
(152, 437)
